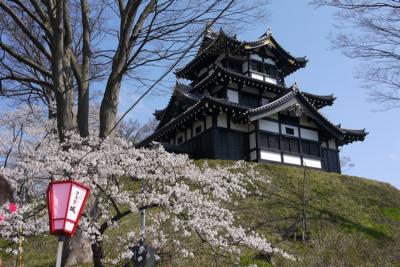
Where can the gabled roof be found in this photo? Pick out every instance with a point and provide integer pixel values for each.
(214, 44)
(298, 100)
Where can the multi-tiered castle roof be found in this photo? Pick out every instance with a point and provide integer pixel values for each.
(246, 82)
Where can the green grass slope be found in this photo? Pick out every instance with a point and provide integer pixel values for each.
(350, 221)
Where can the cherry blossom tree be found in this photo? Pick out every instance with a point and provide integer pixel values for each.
(187, 197)
(58, 56)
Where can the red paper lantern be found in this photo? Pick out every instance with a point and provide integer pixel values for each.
(66, 200)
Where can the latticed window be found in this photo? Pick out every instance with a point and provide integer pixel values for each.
(290, 145)
(310, 148)
(270, 141)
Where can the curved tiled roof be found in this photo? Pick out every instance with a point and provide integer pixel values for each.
(206, 101)
(219, 73)
(344, 136)
(181, 93)
(221, 39)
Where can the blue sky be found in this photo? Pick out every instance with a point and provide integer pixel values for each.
(303, 31)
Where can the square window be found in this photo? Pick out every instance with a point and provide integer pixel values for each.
(289, 131)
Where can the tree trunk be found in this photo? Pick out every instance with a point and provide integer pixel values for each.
(52, 110)
(64, 96)
(98, 254)
(83, 109)
(65, 113)
(83, 81)
(51, 104)
(78, 251)
(109, 105)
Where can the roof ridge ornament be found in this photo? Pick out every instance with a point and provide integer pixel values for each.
(268, 33)
(298, 109)
(295, 87)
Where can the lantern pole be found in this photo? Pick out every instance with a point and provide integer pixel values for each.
(61, 239)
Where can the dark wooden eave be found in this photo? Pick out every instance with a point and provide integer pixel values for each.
(181, 97)
(220, 75)
(211, 47)
(158, 113)
(217, 43)
(319, 101)
(207, 104)
(351, 136)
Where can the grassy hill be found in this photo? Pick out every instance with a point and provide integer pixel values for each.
(350, 221)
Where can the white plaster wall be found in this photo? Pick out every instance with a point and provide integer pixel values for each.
(269, 126)
(291, 159)
(270, 80)
(233, 96)
(309, 134)
(332, 143)
(208, 122)
(272, 156)
(252, 140)
(257, 76)
(222, 120)
(296, 130)
(189, 134)
(314, 163)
